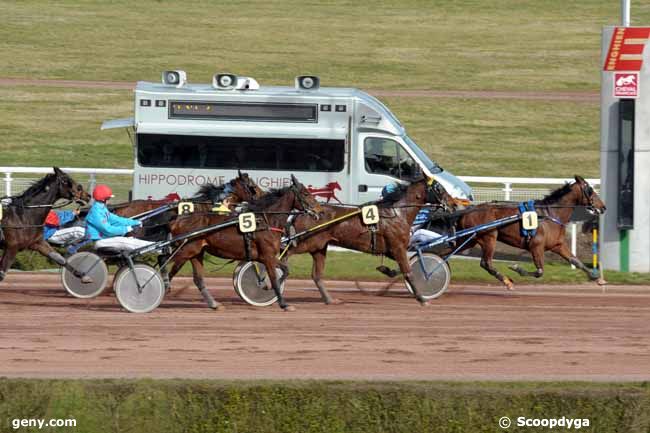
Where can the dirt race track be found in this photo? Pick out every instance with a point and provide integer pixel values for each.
(472, 332)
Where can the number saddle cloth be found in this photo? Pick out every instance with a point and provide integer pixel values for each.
(527, 206)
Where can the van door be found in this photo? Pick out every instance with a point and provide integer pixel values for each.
(381, 160)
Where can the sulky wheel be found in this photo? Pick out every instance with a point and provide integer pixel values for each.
(437, 271)
(139, 289)
(87, 264)
(253, 285)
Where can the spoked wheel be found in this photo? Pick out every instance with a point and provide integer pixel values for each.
(431, 276)
(253, 284)
(139, 289)
(90, 265)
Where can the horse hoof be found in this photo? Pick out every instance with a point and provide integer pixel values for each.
(334, 301)
(424, 302)
(601, 282)
(289, 308)
(86, 279)
(514, 268)
(207, 297)
(509, 285)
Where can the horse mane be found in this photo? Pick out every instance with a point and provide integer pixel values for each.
(556, 195)
(35, 188)
(210, 192)
(267, 199)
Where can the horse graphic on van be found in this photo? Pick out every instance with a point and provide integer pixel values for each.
(327, 192)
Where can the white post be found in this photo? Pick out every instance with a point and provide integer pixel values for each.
(507, 190)
(7, 184)
(92, 181)
(574, 241)
(625, 13)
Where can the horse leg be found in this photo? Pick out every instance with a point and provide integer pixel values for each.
(488, 244)
(7, 260)
(317, 272)
(163, 270)
(178, 264)
(46, 250)
(537, 251)
(282, 264)
(270, 264)
(401, 258)
(563, 251)
(197, 273)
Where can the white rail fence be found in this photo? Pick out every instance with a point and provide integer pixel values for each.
(485, 188)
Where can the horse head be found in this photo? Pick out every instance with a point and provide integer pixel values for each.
(437, 194)
(68, 188)
(304, 200)
(586, 196)
(244, 182)
(428, 190)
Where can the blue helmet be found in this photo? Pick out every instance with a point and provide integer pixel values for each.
(389, 189)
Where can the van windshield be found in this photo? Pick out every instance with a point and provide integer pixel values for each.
(428, 162)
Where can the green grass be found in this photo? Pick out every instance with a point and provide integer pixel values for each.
(45, 126)
(355, 266)
(475, 44)
(318, 406)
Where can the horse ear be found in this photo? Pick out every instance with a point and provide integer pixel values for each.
(294, 180)
(57, 171)
(239, 173)
(579, 179)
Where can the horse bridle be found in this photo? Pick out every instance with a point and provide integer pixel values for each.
(305, 206)
(76, 193)
(588, 194)
(435, 189)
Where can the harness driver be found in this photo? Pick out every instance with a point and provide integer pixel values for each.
(108, 229)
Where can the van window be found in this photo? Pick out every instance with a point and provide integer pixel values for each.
(189, 151)
(386, 156)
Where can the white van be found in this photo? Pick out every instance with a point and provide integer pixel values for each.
(342, 143)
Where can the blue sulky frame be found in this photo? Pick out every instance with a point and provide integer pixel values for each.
(469, 232)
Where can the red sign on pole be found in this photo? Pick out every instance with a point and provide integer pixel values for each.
(626, 49)
(626, 84)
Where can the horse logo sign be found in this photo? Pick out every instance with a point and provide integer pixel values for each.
(327, 192)
(626, 85)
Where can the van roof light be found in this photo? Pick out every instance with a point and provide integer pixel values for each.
(174, 78)
(224, 81)
(307, 82)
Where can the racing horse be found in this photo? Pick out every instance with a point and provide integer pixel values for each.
(264, 246)
(158, 227)
(390, 239)
(24, 215)
(555, 212)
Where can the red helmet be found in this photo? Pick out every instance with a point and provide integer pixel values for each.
(102, 192)
(52, 219)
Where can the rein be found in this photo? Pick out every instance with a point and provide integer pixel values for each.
(34, 206)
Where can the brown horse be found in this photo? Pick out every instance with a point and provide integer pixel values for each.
(24, 215)
(390, 239)
(158, 227)
(555, 212)
(229, 243)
